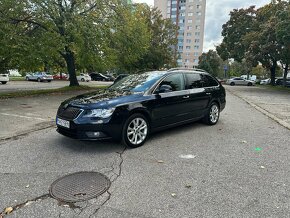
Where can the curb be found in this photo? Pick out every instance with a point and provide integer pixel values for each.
(263, 111)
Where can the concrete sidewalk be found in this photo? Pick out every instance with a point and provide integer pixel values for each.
(19, 116)
(273, 103)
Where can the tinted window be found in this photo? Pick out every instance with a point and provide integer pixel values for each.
(209, 81)
(176, 81)
(193, 81)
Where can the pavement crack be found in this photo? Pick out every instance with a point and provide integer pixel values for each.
(117, 175)
(26, 203)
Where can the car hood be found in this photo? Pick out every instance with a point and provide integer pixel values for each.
(103, 99)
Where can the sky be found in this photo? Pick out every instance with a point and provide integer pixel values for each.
(217, 13)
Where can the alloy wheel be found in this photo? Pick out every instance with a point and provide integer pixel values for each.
(137, 131)
(214, 113)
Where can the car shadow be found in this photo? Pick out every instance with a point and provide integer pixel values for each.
(75, 145)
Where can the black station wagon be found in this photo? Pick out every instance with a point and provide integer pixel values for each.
(138, 105)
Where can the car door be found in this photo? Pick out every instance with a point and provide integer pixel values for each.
(170, 107)
(199, 95)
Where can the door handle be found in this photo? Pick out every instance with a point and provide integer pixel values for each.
(186, 97)
(208, 93)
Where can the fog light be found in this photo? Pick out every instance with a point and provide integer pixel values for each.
(95, 134)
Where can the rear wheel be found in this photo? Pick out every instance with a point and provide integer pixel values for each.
(4, 83)
(82, 79)
(213, 114)
(232, 84)
(38, 80)
(27, 78)
(250, 84)
(135, 131)
(49, 81)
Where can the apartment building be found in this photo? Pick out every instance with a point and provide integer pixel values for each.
(189, 15)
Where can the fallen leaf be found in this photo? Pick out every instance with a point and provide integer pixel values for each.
(262, 167)
(188, 156)
(173, 195)
(188, 186)
(8, 210)
(27, 186)
(258, 149)
(160, 161)
(245, 142)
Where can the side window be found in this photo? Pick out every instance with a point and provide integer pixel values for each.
(175, 81)
(209, 81)
(193, 80)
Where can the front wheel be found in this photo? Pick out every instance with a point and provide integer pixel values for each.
(213, 114)
(135, 131)
(4, 83)
(38, 80)
(82, 79)
(250, 84)
(232, 84)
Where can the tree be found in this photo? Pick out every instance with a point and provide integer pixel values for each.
(163, 37)
(210, 62)
(283, 38)
(69, 29)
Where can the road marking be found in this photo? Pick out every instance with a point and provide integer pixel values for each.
(188, 156)
(15, 115)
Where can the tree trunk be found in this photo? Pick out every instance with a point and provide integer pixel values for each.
(285, 74)
(273, 73)
(71, 68)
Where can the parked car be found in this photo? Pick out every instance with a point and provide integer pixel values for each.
(279, 82)
(121, 76)
(39, 77)
(141, 104)
(111, 78)
(59, 76)
(239, 81)
(99, 77)
(4, 78)
(84, 77)
(265, 82)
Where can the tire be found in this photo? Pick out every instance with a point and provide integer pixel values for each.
(82, 79)
(27, 79)
(49, 81)
(140, 128)
(250, 84)
(232, 84)
(213, 114)
(4, 83)
(38, 80)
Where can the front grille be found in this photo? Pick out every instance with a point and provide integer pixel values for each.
(69, 113)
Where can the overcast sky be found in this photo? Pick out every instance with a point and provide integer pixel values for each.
(217, 13)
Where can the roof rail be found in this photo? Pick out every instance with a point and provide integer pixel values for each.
(182, 68)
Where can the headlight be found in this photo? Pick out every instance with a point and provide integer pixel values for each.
(101, 113)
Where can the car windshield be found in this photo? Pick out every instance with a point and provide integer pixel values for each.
(137, 82)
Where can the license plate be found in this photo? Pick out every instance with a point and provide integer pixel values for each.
(63, 123)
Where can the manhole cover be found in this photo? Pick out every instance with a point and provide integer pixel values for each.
(79, 186)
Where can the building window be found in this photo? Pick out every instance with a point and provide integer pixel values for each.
(188, 34)
(188, 41)
(189, 21)
(188, 47)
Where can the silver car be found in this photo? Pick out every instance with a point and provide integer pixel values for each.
(39, 77)
(239, 81)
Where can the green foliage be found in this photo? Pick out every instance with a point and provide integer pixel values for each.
(211, 62)
(257, 36)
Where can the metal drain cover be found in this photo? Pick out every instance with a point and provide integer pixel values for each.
(79, 186)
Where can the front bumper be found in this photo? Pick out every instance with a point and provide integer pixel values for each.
(92, 131)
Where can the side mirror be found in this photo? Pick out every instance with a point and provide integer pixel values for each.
(164, 89)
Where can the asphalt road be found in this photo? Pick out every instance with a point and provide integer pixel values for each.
(14, 86)
(238, 168)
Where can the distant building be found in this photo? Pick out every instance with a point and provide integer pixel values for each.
(189, 15)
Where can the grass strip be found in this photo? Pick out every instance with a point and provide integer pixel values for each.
(67, 89)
